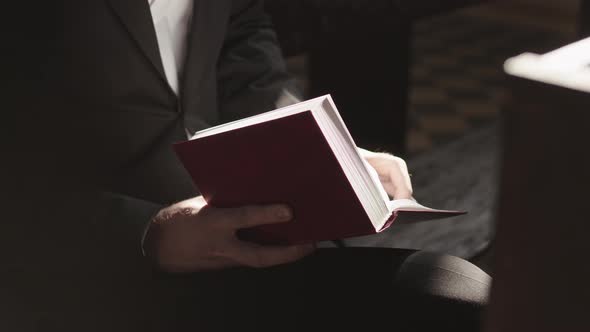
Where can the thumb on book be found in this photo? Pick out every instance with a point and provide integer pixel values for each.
(255, 215)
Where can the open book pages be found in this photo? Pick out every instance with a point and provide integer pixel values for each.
(361, 176)
(301, 155)
(397, 205)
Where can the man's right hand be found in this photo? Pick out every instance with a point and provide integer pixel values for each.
(192, 236)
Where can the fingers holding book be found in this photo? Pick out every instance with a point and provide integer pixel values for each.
(393, 173)
(250, 216)
(192, 236)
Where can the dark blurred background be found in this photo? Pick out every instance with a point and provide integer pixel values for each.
(425, 80)
(422, 79)
(433, 70)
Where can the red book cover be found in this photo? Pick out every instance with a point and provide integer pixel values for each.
(286, 160)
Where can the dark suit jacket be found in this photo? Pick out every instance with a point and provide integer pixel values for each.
(105, 116)
(122, 107)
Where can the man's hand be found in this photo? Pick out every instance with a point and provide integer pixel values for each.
(191, 236)
(392, 171)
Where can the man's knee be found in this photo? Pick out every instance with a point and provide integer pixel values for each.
(452, 290)
(444, 276)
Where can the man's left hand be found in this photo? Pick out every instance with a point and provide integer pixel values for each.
(392, 171)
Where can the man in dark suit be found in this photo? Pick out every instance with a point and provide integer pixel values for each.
(134, 107)
(127, 98)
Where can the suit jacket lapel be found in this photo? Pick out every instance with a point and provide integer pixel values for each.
(195, 56)
(136, 16)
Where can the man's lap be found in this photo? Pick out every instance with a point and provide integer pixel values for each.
(335, 288)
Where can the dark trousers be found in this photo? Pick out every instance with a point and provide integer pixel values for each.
(336, 289)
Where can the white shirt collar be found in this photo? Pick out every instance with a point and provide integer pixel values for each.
(171, 21)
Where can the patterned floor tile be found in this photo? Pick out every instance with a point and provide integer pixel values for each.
(457, 79)
(479, 108)
(449, 123)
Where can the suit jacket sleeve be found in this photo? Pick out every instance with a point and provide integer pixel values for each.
(126, 218)
(252, 77)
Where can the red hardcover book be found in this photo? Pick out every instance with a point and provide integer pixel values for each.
(301, 155)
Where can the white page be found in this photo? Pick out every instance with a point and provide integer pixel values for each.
(405, 203)
(303, 106)
(375, 177)
(374, 189)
